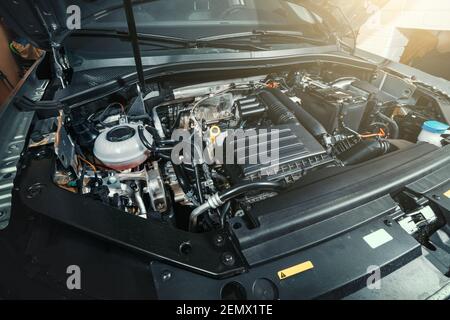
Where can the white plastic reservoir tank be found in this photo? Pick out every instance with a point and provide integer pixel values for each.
(432, 132)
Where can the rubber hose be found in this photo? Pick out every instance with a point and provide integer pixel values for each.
(278, 112)
(220, 199)
(306, 119)
(198, 183)
(363, 151)
(393, 126)
(182, 179)
(144, 139)
(247, 187)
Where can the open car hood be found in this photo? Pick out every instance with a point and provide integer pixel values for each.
(44, 22)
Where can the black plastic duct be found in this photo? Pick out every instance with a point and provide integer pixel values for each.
(278, 112)
(307, 120)
(364, 150)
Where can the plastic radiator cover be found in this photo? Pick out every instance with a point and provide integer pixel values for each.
(335, 199)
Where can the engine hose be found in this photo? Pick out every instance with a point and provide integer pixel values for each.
(198, 183)
(364, 150)
(394, 130)
(278, 112)
(238, 190)
(144, 139)
(183, 179)
(219, 199)
(307, 120)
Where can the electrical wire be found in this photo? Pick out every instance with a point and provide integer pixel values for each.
(88, 163)
(381, 134)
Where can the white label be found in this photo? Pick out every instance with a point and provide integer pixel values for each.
(378, 238)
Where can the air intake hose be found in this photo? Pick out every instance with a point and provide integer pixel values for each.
(364, 150)
(307, 120)
(278, 112)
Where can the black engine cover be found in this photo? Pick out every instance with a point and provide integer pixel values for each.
(296, 152)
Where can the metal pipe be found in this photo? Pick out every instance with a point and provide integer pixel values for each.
(219, 199)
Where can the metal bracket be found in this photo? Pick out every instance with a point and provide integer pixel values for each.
(65, 150)
(138, 106)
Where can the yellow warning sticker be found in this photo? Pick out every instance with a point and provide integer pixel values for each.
(447, 194)
(292, 271)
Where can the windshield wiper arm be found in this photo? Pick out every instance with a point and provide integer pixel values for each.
(265, 34)
(126, 36)
(164, 41)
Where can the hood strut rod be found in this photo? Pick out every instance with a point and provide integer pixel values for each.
(132, 31)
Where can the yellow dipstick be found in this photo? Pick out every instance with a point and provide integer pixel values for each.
(214, 132)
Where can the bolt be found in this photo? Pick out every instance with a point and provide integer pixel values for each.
(228, 259)
(34, 190)
(41, 154)
(166, 276)
(219, 240)
(2, 213)
(388, 223)
(436, 197)
(134, 187)
(112, 180)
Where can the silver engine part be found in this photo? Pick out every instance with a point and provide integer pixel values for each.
(215, 109)
(155, 188)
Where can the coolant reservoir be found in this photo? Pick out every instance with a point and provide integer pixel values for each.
(120, 147)
(432, 132)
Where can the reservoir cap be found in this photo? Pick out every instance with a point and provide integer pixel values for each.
(435, 127)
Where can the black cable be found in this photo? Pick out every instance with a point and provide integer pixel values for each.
(164, 156)
(102, 117)
(223, 213)
(163, 149)
(170, 142)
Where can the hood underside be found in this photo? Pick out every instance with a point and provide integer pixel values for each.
(44, 22)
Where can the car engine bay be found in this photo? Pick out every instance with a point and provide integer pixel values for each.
(126, 154)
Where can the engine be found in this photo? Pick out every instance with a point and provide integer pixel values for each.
(208, 152)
